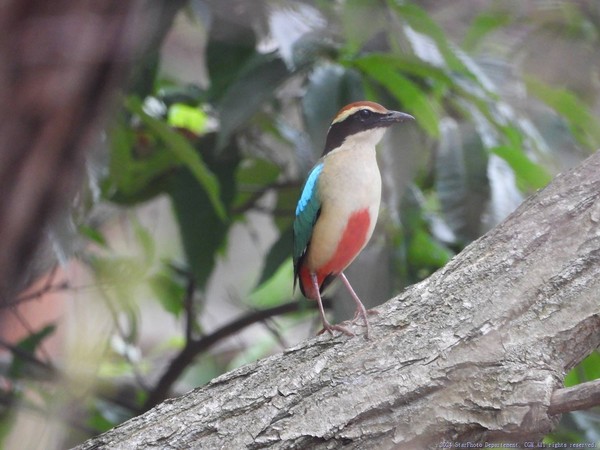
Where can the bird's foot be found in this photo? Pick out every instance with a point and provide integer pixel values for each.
(362, 313)
(331, 328)
(358, 315)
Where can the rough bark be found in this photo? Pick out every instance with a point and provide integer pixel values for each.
(473, 353)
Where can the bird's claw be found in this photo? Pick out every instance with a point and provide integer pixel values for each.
(331, 328)
(358, 315)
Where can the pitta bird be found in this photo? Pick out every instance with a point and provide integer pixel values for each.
(339, 204)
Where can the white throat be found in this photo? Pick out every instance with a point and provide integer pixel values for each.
(367, 139)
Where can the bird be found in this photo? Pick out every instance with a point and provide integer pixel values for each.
(339, 204)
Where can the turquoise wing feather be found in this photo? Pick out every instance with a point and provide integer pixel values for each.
(307, 213)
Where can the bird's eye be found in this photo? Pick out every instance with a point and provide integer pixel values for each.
(364, 114)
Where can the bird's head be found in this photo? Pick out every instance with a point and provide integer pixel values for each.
(361, 123)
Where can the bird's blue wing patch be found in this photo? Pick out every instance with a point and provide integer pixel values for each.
(307, 212)
(309, 189)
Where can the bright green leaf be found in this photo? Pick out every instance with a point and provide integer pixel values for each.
(408, 65)
(188, 117)
(405, 90)
(586, 370)
(186, 154)
(530, 176)
(424, 251)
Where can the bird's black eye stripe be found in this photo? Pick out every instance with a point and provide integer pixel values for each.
(364, 113)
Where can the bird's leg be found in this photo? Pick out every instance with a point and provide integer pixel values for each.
(360, 308)
(326, 325)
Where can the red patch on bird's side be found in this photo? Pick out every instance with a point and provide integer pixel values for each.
(350, 244)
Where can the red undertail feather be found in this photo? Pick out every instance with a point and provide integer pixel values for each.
(350, 244)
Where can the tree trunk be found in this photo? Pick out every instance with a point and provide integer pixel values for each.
(61, 63)
(473, 353)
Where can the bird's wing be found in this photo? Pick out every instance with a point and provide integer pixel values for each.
(307, 213)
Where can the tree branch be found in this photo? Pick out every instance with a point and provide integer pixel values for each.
(195, 347)
(582, 396)
(477, 352)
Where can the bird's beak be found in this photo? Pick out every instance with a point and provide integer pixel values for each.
(397, 116)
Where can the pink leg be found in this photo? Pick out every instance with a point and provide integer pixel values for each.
(326, 325)
(360, 308)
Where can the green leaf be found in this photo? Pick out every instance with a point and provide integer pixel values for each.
(409, 65)
(93, 235)
(253, 176)
(188, 117)
(591, 366)
(404, 90)
(225, 60)
(256, 172)
(244, 97)
(530, 176)
(202, 231)
(481, 26)
(424, 251)
(280, 251)
(137, 166)
(276, 289)
(32, 342)
(584, 125)
(586, 370)
(29, 345)
(169, 292)
(186, 154)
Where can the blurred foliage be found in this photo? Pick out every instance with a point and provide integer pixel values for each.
(241, 145)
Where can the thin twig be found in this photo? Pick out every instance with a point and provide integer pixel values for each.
(48, 287)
